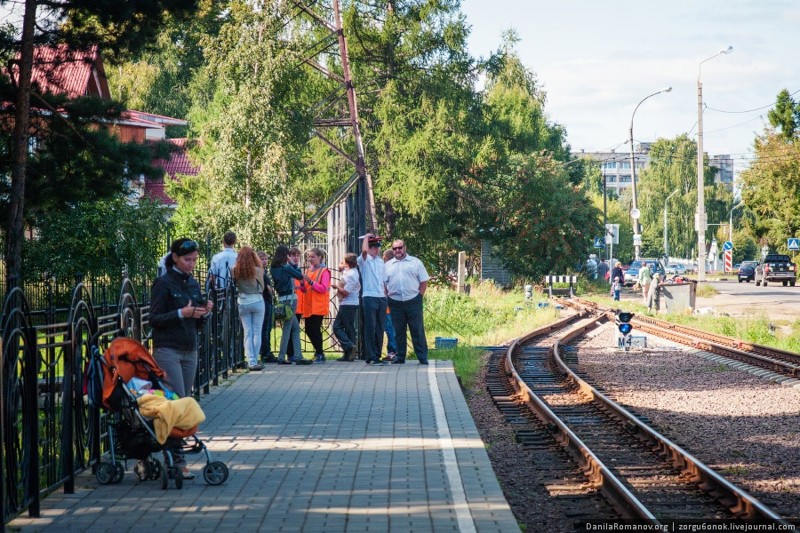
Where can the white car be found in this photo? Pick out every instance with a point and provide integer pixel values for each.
(675, 269)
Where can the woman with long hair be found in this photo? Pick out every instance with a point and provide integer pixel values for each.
(283, 274)
(316, 299)
(249, 276)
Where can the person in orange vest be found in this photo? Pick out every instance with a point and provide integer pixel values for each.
(316, 300)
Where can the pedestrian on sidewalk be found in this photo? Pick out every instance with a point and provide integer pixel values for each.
(373, 298)
(283, 275)
(391, 344)
(249, 276)
(316, 300)
(222, 263)
(347, 289)
(266, 327)
(406, 283)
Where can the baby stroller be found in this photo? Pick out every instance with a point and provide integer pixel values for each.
(146, 421)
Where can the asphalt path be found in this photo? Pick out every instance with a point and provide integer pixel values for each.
(778, 303)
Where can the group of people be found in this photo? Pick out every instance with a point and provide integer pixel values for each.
(389, 286)
(647, 281)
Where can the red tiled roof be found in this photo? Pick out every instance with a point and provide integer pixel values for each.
(59, 70)
(178, 164)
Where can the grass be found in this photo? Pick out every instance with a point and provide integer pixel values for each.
(754, 328)
(488, 316)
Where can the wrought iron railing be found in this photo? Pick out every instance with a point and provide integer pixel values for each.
(48, 432)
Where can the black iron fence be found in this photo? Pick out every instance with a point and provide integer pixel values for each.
(48, 432)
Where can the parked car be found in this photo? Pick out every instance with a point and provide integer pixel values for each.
(747, 271)
(632, 274)
(675, 269)
(778, 268)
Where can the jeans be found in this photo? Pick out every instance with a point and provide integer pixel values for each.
(374, 324)
(408, 315)
(180, 368)
(252, 316)
(391, 344)
(266, 333)
(344, 326)
(291, 330)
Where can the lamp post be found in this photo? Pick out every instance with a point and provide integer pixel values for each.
(637, 232)
(666, 246)
(700, 216)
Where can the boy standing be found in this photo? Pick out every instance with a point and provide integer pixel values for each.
(344, 326)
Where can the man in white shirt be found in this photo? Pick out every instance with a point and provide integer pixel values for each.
(222, 263)
(344, 326)
(373, 301)
(406, 283)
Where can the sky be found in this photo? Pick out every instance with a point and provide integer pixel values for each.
(596, 60)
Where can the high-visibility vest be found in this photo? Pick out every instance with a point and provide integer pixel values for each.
(317, 303)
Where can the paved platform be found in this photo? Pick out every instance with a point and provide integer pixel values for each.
(324, 447)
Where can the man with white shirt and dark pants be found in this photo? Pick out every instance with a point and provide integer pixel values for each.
(406, 283)
(373, 301)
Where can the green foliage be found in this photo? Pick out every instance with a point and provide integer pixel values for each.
(771, 190)
(100, 238)
(785, 116)
(488, 316)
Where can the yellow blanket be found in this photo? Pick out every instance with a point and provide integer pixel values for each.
(183, 413)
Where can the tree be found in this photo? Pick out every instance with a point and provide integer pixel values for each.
(117, 27)
(785, 116)
(250, 116)
(673, 166)
(771, 189)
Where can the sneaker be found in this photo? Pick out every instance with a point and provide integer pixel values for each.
(187, 474)
(269, 358)
(378, 362)
(399, 362)
(284, 362)
(423, 362)
(256, 368)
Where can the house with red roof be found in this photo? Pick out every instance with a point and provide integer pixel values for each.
(59, 70)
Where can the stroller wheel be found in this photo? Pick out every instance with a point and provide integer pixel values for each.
(105, 473)
(142, 470)
(164, 479)
(156, 470)
(179, 478)
(118, 474)
(215, 473)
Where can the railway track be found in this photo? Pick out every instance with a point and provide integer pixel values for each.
(607, 452)
(773, 359)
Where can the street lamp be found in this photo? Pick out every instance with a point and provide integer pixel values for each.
(637, 231)
(700, 217)
(666, 246)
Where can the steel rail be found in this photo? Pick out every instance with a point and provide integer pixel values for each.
(736, 499)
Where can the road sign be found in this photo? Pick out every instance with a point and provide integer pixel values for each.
(635, 213)
(713, 249)
(598, 242)
(637, 240)
(794, 244)
(728, 260)
(727, 245)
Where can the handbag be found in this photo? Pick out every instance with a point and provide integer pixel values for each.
(282, 310)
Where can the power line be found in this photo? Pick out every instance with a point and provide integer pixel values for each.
(751, 110)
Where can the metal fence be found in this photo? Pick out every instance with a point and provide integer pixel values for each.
(48, 432)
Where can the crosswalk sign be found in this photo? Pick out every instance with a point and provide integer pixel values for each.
(598, 242)
(794, 244)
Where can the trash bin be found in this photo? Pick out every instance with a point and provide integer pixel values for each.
(678, 297)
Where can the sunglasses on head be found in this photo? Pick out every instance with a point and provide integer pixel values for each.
(187, 247)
